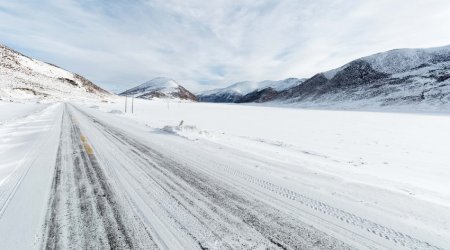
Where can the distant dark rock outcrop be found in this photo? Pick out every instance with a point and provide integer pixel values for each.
(249, 91)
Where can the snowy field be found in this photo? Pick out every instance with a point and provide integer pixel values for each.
(221, 176)
(392, 168)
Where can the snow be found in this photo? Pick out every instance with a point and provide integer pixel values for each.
(392, 168)
(331, 73)
(26, 79)
(161, 84)
(398, 60)
(157, 83)
(360, 133)
(239, 88)
(17, 127)
(284, 84)
(27, 156)
(13, 110)
(388, 168)
(43, 68)
(187, 131)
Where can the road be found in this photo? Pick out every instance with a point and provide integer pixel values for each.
(112, 189)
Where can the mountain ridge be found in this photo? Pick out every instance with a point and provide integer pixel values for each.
(397, 77)
(391, 78)
(160, 87)
(242, 91)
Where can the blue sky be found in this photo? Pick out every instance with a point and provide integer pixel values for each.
(208, 44)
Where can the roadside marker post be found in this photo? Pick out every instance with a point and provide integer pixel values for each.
(125, 104)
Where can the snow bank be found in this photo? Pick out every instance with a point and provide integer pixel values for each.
(12, 110)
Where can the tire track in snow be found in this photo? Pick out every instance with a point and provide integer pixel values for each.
(376, 229)
(84, 210)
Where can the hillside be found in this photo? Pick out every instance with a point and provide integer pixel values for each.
(24, 78)
(402, 77)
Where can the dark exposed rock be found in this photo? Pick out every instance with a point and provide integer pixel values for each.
(241, 92)
(222, 97)
(182, 93)
(69, 81)
(91, 87)
(264, 95)
(356, 73)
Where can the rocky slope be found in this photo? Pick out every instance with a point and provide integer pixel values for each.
(24, 78)
(160, 87)
(419, 77)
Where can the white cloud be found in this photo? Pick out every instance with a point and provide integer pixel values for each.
(206, 44)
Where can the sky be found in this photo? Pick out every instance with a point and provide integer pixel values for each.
(209, 44)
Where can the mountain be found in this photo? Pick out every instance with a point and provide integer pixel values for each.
(24, 78)
(244, 91)
(400, 77)
(160, 87)
(419, 77)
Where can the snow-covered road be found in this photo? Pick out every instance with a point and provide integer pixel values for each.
(181, 206)
(113, 183)
(84, 211)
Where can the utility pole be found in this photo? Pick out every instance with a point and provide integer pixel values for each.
(125, 104)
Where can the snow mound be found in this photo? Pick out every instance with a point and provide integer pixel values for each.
(190, 132)
(115, 111)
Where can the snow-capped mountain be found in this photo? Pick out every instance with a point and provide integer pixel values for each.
(160, 87)
(419, 77)
(243, 91)
(24, 78)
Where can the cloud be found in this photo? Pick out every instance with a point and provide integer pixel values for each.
(208, 44)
